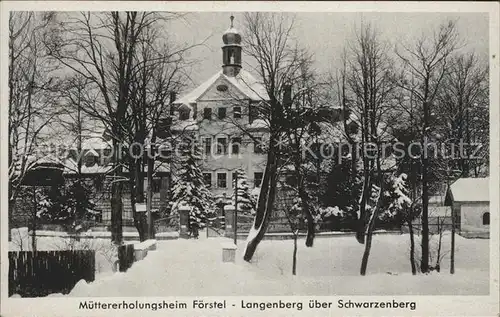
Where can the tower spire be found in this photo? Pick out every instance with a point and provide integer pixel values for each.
(231, 51)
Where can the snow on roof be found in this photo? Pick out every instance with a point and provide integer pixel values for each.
(437, 200)
(439, 211)
(231, 30)
(194, 94)
(70, 167)
(92, 152)
(249, 85)
(244, 81)
(470, 189)
(48, 159)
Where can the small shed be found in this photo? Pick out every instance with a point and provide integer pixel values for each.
(470, 202)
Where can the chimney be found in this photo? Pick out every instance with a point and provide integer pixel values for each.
(287, 95)
(173, 96)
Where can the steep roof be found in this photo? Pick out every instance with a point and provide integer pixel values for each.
(470, 189)
(244, 81)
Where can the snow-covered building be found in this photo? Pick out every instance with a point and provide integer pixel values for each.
(220, 114)
(96, 168)
(470, 202)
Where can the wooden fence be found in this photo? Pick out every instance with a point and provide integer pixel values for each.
(35, 274)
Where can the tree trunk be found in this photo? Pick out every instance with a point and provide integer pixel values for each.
(369, 234)
(368, 245)
(116, 198)
(150, 227)
(424, 262)
(12, 206)
(136, 197)
(265, 202)
(294, 263)
(361, 225)
(305, 207)
(33, 222)
(437, 267)
(412, 248)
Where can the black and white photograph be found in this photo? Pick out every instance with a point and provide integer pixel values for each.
(247, 159)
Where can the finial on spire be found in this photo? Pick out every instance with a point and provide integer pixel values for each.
(232, 18)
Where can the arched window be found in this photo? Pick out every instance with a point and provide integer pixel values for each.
(486, 218)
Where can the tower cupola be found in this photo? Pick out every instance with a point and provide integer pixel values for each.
(231, 51)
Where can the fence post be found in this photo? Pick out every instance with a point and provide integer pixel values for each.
(229, 212)
(184, 221)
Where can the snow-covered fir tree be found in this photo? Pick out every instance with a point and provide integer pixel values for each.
(189, 188)
(397, 199)
(246, 201)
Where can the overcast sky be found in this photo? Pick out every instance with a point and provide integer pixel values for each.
(325, 34)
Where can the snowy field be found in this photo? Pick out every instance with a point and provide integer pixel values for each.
(195, 268)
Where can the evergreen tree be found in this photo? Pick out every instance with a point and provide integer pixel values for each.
(68, 206)
(396, 202)
(342, 188)
(190, 189)
(246, 202)
(78, 204)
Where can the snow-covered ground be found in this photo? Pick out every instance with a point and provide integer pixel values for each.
(195, 268)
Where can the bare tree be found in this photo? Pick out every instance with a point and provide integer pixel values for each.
(365, 89)
(32, 88)
(268, 42)
(462, 107)
(101, 47)
(425, 65)
(160, 72)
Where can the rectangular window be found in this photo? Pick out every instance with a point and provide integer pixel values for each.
(235, 145)
(207, 145)
(222, 113)
(257, 178)
(221, 180)
(257, 145)
(207, 113)
(252, 113)
(207, 178)
(156, 185)
(237, 112)
(221, 146)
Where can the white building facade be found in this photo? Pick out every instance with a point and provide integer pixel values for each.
(220, 113)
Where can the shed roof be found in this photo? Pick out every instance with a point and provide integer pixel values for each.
(470, 189)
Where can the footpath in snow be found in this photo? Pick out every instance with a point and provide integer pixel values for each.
(195, 268)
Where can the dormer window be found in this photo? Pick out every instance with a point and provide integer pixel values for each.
(184, 112)
(237, 112)
(91, 158)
